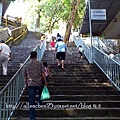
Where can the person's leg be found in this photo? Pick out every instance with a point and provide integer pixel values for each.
(40, 88)
(32, 96)
(63, 59)
(82, 56)
(58, 61)
(4, 65)
(79, 55)
(58, 58)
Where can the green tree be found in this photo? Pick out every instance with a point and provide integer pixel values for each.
(56, 10)
(53, 11)
(74, 18)
(79, 14)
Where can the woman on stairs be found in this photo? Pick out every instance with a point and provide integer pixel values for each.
(60, 48)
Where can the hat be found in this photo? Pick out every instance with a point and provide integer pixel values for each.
(59, 39)
(2, 41)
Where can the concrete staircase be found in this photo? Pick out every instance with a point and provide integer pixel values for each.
(19, 54)
(81, 91)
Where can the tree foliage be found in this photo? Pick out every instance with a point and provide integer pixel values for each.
(79, 14)
(51, 12)
(74, 8)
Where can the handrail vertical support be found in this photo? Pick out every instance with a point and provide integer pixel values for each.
(90, 25)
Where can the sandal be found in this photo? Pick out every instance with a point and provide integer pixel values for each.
(62, 68)
(58, 65)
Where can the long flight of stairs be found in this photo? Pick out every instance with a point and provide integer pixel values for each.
(19, 55)
(80, 92)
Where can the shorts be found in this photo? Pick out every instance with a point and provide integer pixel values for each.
(60, 55)
(80, 53)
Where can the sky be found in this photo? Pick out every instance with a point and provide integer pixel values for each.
(16, 9)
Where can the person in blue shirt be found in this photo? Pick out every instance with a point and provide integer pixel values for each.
(60, 48)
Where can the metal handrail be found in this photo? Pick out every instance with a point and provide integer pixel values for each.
(108, 66)
(78, 41)
(14, 40)
(6, 22)
(9, 20)
(11, 93)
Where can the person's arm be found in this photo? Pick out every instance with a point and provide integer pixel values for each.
(49, 72)
(25, 76)
(0, 48)
(44, 78)
(65, 48)
(43, 73)
(55, 50)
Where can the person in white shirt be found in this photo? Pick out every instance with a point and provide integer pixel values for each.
(5, 56)
(80, 52)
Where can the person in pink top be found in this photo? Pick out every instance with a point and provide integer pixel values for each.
(47, 71)
(52, 43)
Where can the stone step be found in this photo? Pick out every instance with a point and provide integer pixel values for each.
(84, 83)
(75, 71)
(66, 70)
(75, 66)
(79, 76)
(85, 80)
(82, 112)
(79, 82)
(80, 88)
(80, 98)
(69, 118)
(81, 92)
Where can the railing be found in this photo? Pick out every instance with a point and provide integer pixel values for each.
(18, 30)
(78, 41)
(108, 66)
(11, 93)
(21, 36)
(18, 35)
(14, 21)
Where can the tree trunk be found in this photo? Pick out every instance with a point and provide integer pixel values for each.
(74, 6)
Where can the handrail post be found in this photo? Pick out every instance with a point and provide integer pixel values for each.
(1, 107)
(6, 20)
(90, 23)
